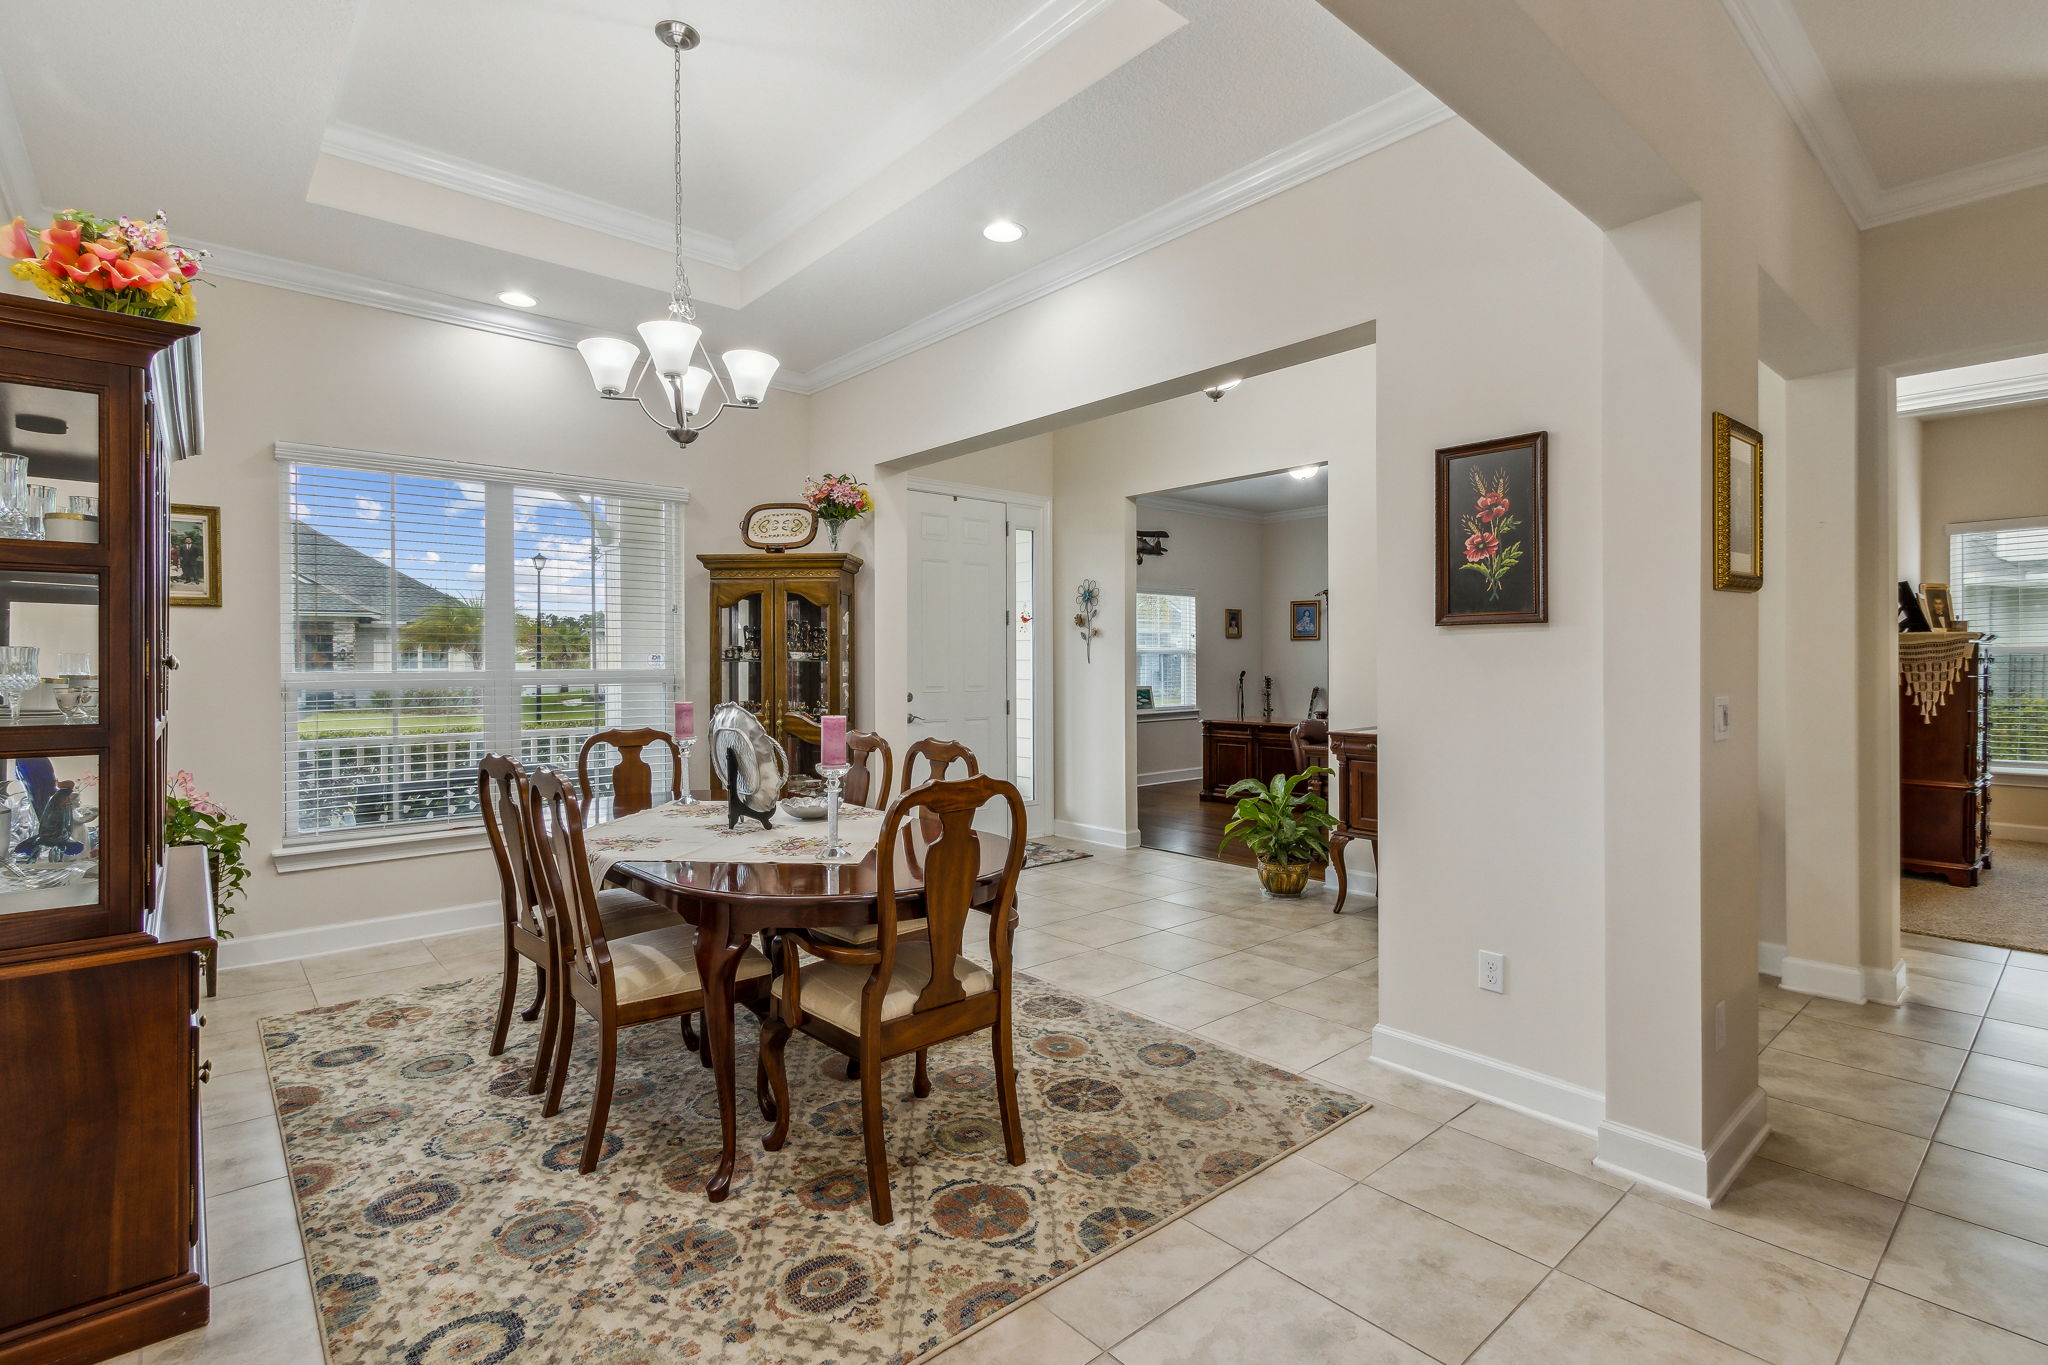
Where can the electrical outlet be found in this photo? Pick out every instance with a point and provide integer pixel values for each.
(1493, 972)
(1724, 719)
(1720, 1024)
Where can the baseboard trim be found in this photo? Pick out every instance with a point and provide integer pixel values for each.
(1504, 1083)
(1698, 1175)
(259, 950)
(1770, 959)
(1833, 980)
(1166, 775)
(1096, 834)
(2031, 834)
(1883, 986)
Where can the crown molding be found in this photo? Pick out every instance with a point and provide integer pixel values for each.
(2025, 382)
(1779, 43)
(1167, 502)
(385, 153)
(1367, 131)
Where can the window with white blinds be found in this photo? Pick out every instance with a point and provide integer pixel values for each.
(1998, 580)
(1166, 647)
(436, 613)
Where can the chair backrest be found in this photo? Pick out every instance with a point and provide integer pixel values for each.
(501, 792)
(950, 865)
(554, 832)
(632, 779)
(1309, 735)
(861, 788)
(939, 755)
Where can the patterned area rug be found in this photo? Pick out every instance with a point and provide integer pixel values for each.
(444, 1219)
(1045, 855)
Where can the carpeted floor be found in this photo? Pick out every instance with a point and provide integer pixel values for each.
(2008, 908)
(444, 1219)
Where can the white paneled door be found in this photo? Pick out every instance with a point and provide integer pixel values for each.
(960, 626)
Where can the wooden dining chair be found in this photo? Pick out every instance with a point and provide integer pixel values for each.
(899, 997)
(1311, 740)
(861, 789)
(632, 778)
(939, 755)
(502, 794)
(618, 981)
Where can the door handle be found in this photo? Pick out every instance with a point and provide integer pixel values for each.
(915, 719)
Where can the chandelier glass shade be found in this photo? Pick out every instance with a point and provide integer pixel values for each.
(675, 342)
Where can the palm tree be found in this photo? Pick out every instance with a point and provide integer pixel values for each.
(457, 624)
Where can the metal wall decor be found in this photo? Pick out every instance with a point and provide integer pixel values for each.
(1087, 603)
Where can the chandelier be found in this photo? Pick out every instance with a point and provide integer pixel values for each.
(674, 342)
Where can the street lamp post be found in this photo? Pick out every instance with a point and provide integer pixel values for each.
(539, 562)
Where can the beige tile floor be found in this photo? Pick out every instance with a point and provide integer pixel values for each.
(1898, 1213)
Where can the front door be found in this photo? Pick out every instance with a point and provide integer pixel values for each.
(959, 626)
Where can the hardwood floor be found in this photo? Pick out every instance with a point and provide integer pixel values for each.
(1174, 819)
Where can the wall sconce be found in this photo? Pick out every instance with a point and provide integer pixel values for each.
(1150, 543)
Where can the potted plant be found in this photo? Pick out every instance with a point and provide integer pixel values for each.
(1285, 824)
(193, 817)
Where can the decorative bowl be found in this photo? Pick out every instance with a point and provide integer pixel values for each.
(804, 807)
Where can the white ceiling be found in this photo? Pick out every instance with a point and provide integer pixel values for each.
(1912, 106)
(841, 158)
(1263, 497)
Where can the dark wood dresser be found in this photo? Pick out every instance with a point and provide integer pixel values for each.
(1356, 754)
(1233, 750)
(1945, 769)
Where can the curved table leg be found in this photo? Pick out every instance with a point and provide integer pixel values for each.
(1337, 841)
(718, 960)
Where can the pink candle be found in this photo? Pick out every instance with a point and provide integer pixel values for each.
(686, 720)
(832, 741)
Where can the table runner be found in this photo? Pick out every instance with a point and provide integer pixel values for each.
(694, 831)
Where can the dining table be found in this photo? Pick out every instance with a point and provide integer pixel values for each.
(731, 884)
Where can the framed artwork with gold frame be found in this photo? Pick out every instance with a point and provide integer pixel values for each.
(1738, 505)
(194, 571)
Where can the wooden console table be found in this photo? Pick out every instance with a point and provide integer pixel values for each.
(1357, 756)
(1233, 750)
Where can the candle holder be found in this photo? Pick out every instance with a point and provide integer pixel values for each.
(683, 748)
(835, 778)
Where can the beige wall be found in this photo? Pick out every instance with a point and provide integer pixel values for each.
(1984, 466)
(283, 366)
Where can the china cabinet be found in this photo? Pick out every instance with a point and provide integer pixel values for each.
(100, 944)
(782, 642)
(1945, 756)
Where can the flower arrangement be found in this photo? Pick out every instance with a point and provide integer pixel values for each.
(122, 265)
(193, 817)
(1488, 525)
(838, 499)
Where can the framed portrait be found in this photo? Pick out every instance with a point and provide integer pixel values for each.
(1233, 623)
(194, 556)
(1305, 620)
(1940, 608)
(1738, 505)
(1492, 554)
(1144, 699)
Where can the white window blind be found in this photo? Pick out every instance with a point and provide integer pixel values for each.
(1998, 580)
(431, 618)
(1166, 647)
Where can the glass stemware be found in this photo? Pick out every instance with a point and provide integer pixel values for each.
(13, 496)
(79, 698)
(21, 669)
(37, 501)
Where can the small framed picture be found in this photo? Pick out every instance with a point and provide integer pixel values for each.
(1492, 532)
(1305, 620)
(1233, 623)
(194, 570)
(1738, 505)
(1144, 699)
(1941, 611)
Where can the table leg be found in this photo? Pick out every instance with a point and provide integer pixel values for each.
(718, 960)
(1337, 841)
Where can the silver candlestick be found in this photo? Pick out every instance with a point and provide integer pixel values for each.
(835, 778)
(683, 748)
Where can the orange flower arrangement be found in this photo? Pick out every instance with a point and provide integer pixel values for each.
(123, 265)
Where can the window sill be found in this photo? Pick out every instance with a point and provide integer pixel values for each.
(2018, 777)
(351, 852)
(1171, 713)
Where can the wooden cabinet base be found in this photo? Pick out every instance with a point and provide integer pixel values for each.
(111, 1328)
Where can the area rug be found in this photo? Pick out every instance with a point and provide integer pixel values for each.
(444, 1219)
(2008, 908)
(1045, 855)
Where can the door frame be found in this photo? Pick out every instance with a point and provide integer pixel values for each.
(1033, 510)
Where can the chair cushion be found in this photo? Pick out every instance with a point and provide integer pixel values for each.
(627, 912)
(831, 990)
(862, 935)
(664, 962)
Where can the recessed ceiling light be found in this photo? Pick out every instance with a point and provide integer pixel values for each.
(1307, 471)
(512, 298)
(1003, 230)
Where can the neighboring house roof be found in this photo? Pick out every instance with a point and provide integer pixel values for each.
(334, 579)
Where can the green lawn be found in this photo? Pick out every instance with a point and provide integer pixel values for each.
(555, 713)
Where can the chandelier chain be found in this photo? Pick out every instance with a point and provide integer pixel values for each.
(679, 293)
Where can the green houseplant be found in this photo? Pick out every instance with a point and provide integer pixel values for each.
(193, 817)
(1285, 824)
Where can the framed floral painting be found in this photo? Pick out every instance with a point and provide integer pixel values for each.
(1492, 560)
